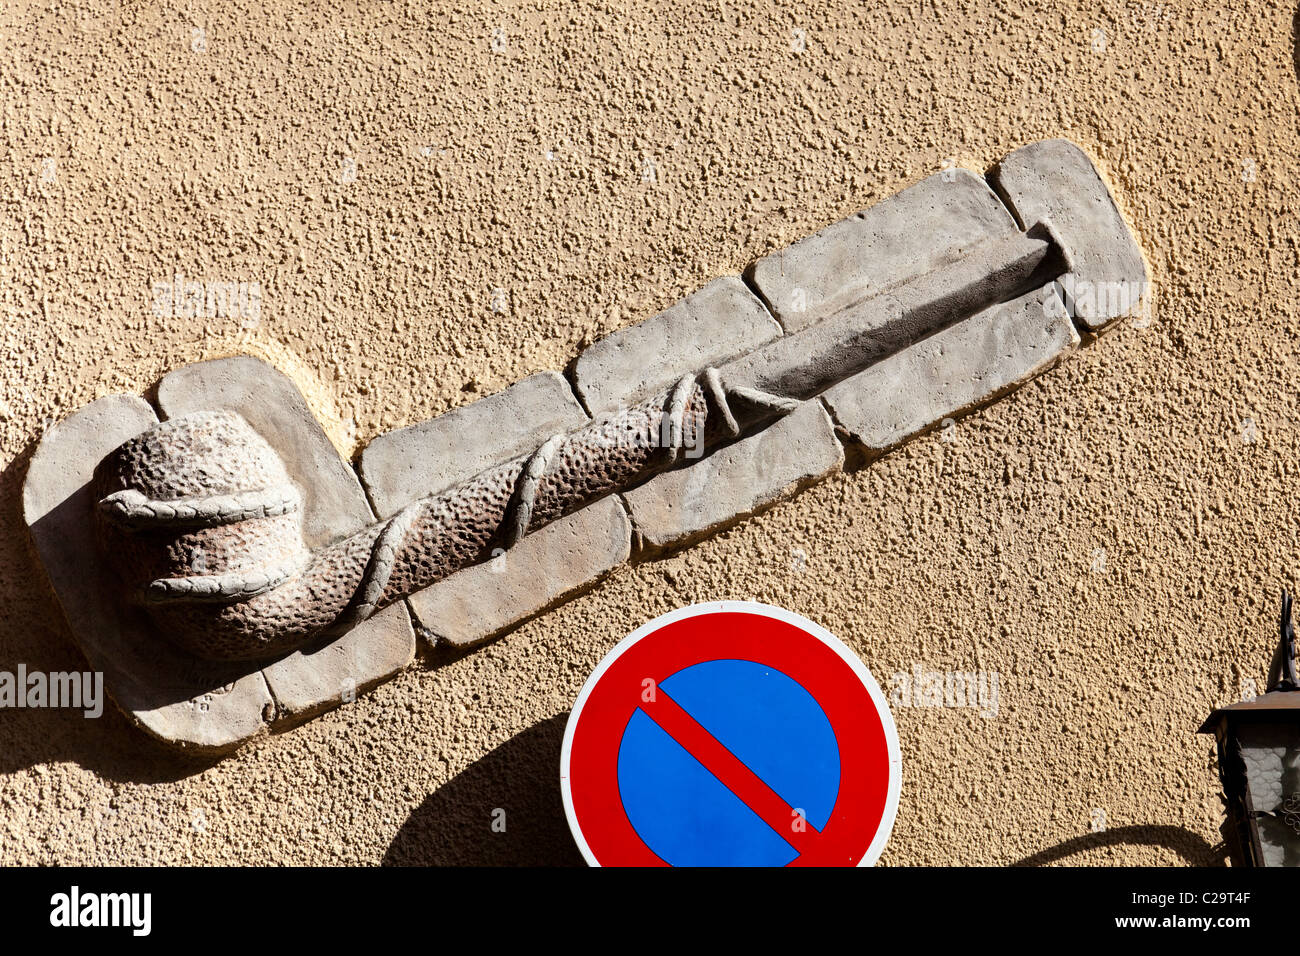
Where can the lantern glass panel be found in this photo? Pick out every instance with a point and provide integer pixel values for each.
(1271, 752)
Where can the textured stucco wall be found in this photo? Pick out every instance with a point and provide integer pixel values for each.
(1109, 540)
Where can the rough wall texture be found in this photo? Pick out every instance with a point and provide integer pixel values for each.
(437, 201)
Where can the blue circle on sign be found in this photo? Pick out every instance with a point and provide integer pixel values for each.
(771, 724)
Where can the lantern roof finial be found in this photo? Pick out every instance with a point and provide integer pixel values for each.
(1279, 702)
(1282, 670)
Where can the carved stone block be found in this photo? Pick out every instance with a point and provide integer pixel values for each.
(952, 372)
(1054, 181)
(415, 461)
(715, 324)
(919, 230)
(680, 506)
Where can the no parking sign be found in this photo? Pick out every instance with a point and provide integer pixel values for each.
(730, 734)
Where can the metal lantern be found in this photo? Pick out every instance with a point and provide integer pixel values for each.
(1259, 763)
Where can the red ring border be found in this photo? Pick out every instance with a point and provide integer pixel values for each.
(867, 800)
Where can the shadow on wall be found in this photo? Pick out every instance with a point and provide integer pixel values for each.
(517, 788)
(1191, 847)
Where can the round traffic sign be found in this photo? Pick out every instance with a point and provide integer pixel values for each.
(730, 734)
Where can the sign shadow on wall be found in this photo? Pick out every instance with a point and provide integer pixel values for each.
(1191, 847)
(504, 809)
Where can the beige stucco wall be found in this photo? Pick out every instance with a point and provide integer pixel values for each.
(227, 155)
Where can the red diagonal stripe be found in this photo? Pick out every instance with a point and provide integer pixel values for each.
(730, 771)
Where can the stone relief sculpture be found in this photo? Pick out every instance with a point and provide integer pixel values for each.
(232, 577)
